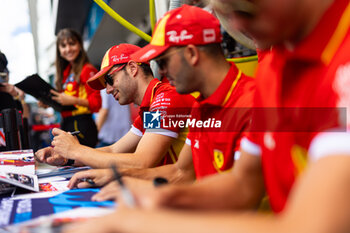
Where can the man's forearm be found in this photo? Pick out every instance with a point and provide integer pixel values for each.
(189, 221)
(171, 172)
(91, 157)
(105, 149)
(218, 196)
(124, 152)
(100, 159)
(318, 203)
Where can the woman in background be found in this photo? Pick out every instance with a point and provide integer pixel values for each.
(72, 71)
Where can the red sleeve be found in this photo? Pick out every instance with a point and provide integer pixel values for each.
(93, 96)
(138, 124)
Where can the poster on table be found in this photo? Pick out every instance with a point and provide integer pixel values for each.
(15, 211)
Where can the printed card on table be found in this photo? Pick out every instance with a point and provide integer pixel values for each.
(17, 161)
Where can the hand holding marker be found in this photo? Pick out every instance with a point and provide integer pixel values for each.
(126, 194)
(72, 133)
(75, 133)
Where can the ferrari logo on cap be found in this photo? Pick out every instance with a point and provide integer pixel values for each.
(299, 158)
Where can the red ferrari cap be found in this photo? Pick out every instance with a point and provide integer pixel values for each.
(118, 54)
(181, 26)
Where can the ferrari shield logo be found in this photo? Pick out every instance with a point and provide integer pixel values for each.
(218, 158)
(299, 158)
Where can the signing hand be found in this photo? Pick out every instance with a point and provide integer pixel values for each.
(64, 143)
(47, 155)
(100, 177)
(109, 192)
(112, 190)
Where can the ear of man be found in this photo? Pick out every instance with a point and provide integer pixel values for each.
(132, 68)
(192, 54)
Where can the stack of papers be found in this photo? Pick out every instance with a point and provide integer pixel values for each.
(18, 168)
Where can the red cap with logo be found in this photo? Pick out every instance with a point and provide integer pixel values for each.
(118, 54)
(179, 27)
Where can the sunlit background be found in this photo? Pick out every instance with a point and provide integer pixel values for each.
(17, 41)
(27, 31)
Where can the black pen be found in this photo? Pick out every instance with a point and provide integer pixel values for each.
(159, 181)
(88, 180)
(126, 194)
(74, 133)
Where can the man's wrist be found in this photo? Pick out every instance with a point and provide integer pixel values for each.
(75, 151)
(68, 162)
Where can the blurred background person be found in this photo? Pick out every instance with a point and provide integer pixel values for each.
(10, 96)
(73, 69)
(113, 120)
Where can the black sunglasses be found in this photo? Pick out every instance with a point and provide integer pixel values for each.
(109, 77)
(162, 61)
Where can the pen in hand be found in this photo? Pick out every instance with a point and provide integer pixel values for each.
(71, 133)
(126, 194)
(74, 133)
(89, 180)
